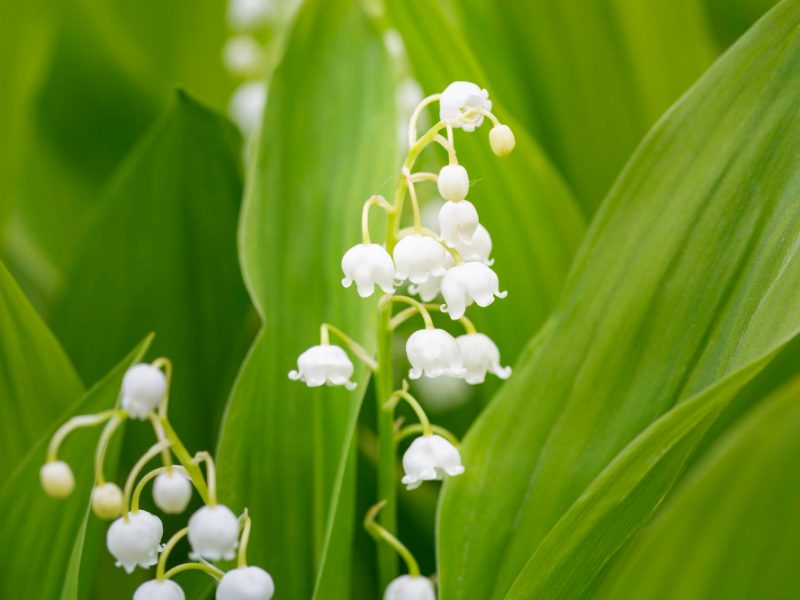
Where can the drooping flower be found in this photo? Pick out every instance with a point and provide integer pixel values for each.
(213, 533)
(246, 583)
(419, 257)
(57, 479)
(156, 589)
(467, 283)
(460, 97)
(143, 388)
(433, 353)
(501, 139)
(135, 540)
(429, 458)
(368, 265)
(430, 289)
(480, 356)
(172, 492)
(453, 183)
(478, 248)
(407, 587)
(326, 363)
(107, 502)
(458, 222)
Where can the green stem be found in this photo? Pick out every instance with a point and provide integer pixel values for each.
(182, 454)
(392, 543)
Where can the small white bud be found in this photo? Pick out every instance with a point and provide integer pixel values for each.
(143, 388)
(172, 492)
(467, 283)
(458, 99)
(242, 55)
(159, 590)
(501, 139)
(247, 106)
(419, 257)
(326, 363)
(478, 248)
(135, 540)
(57, 479)
(368, 265)
(407, 587)
(107, 501)
(433, 353)
(480, 356)
(430, 458)
(245, 15)
(453, 183)
(213, 533)
(246, 583)
(458, 222)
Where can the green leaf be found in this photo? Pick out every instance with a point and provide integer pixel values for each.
(650, 316)
(161, 256)
(731, 18)
(728, 530)
(590, 78)
(522, 201)
(45, 537)
(37, 381)
(328, 143)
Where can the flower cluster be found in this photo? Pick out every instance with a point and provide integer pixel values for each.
(454, 263)
(134, 538)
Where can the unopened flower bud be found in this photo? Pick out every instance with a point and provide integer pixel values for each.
(172, 492)
(135, 540)
(107, 501)
(143, 388)
(246, 583)
(430, 458)
(326, 363)
(407, 587)
(57, 479)
(453, 183)
(155, 589)
(213, 533)
(501, 139)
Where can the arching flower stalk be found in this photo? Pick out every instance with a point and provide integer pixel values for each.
(453, 262)
(134, 538)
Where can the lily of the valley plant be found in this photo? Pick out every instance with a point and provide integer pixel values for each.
(452, 262)
(214, 532)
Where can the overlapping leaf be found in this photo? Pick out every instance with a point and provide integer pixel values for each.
(327, 144)
(161, 256)
(688, 275)
(729, 530)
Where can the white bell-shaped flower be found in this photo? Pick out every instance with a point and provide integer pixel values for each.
(407, 587)
(419, 257)
(453, 183)
(143, 388)
(478, 248)
(323, 364)
(159, 590)
(172, 492)
(460, 97)
(467, 283)
(430, 289)
(213, 533)
(501, 139)
(246, 583)
(428, 458)
(480, 356)
(107, 501)
(433, 353)
(368, 265)
(135, 541)
(57, 479)
(458, 222)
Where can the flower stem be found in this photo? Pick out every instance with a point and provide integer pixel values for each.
(162, 560)
(182, 454)
(392, 543)
(403, 394)
(324, 336)
(102, 445)
(75, 423)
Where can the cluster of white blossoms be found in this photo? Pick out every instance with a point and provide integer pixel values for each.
(134, 538)
(454, 263)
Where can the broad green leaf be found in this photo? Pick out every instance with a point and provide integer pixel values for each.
(44, 537)
(650, 316)
(327, 144)
(522, 201)
(729, 19)
(161, 256)
(728, 532)
(37, 381)
(592, 76)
